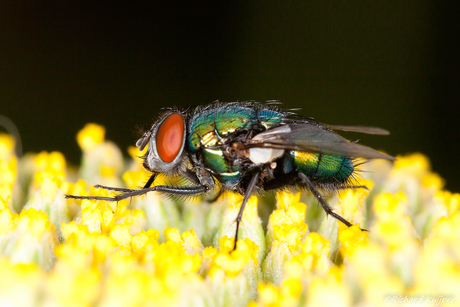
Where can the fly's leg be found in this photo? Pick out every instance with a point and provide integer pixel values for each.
(150, 181)
(190, 175)
(321, 200)
(172, 190)
(280, 182)
(215, 197)
(294, 177)
(353, 187)
(247, 194)
(124, 190)
(147, 185)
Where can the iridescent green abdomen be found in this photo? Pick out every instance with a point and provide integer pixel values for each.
(319, 167)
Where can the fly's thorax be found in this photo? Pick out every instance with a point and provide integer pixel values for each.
(214, 132)
(212, 126)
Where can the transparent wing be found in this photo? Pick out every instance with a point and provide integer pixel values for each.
(361, 129)
(313, 138)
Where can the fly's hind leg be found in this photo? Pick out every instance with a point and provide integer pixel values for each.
(293, 178)
(321, 200)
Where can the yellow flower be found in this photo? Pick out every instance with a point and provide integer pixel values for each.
(173, 266)
(250, 226)
(8, 170)
(188, 239)
(143, 244)
(6, 146)
(286, 295)
(350, 238)
(135, 179)
(28, 237)
(233, 262)
(6, 191)
(285, 199)
(393, 226)
(352, 202)
(128, 285)
(59, 252)
(415, 165)
(90, 136)
(4, 203)
(331, 290)
(312, 260)
(20, 284)
(433, 180)
(6, 215)
(370, 265)
(437, 269)
(451, 201)
(287, 224)
(98, 215)
(67, 286)
(102, 160)
(82, 248)
(137, 157)
(52, 163)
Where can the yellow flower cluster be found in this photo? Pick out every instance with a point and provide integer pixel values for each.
(157, 251)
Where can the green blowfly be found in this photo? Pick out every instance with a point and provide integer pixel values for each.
(247, 147)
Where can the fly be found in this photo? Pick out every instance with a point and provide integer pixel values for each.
(247, 147)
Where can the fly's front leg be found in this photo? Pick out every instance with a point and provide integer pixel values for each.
(353, 187)
(147, 185)
(191, 175)
(171, 190)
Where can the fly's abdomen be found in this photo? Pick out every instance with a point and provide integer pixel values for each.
(323, 168)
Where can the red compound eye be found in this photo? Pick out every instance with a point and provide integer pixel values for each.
(169, 137)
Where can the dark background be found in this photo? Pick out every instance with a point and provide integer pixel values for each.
(390, 64)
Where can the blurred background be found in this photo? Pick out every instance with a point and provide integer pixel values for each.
(390, 64)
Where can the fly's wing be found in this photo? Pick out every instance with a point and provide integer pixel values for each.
(361, 129)
(312, 138)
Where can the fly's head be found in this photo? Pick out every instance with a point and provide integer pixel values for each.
(166, 142)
